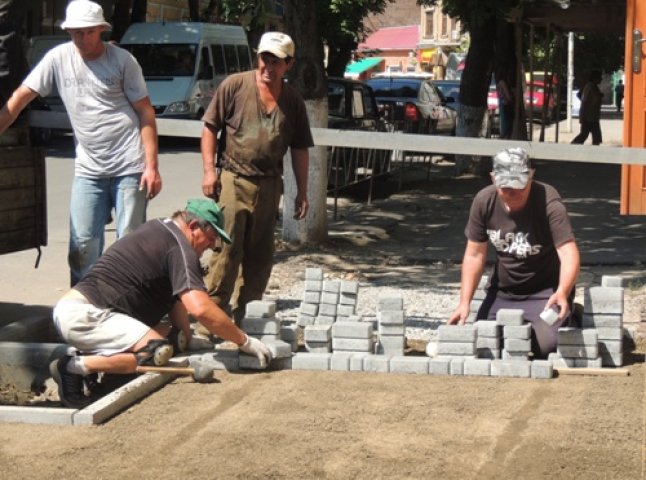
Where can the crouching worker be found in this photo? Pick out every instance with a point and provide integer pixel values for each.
(114, 312)
(537, 259)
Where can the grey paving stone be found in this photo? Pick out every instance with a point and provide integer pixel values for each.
(260, 325)
(305, 320)
(517, 345)
(332, 286)
(489, 342)
(391, 345)
(314, 285)
(610, 333)
(311, 361)
(290, 333)
(577, 336)
(386, 329)
(612, 281)
(490, 353)
(611, 346)
(348, 299)
(318, 333)
(340, 361)
(488, 328)
(390, 317)
(603, 300)
(309, 309)
(313, 274)
(407, 364)
(345, 310)
(439, 366)
(599, 320)
(578, 351)
(327, 309)
(510, 316)
(390, 303)
(522, 332)
(356, 361)
(456, 348)
(479, 294)
(475, 306)
(477, 366)
(260, 308)
(352, 330)
(376, 363)
(311, 297)
(349, 286)
(457, 366)
(218, 360)
(614, 359)
(324, 320)
(353, 344)
(511, 368)
(457, 333)
(515, 356)
(542, 369)
(318, 347)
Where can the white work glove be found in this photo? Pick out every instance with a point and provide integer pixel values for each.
(255, 347)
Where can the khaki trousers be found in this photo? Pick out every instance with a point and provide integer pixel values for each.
(250, 209)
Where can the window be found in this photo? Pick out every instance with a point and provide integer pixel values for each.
(445, 26)
(243, 57)
(428, 25)
(231, 59)
(206, 72)
(218, 60)
(357, 103)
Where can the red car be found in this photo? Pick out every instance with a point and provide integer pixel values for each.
(534, 107)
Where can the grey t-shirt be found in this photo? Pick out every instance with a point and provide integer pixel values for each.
(98, 96)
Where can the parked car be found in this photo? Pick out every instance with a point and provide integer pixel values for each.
(352, 106)
(451, 91)
(534, 107)
(413, 104)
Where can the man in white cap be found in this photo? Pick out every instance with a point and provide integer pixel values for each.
(537, 259)
(105, 96)
(260, 117)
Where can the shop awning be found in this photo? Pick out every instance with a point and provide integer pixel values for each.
(362, 65)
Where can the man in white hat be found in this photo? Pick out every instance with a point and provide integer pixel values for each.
(260, 117)
(105, 96)
(537, 259)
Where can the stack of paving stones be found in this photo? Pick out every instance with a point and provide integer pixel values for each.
(478, 297)
(603, 310)
(457, 344)
(311, 297)
(517, 343)
(390, 321)
(318, 338)
(489, 339)
(577, 348)
(260, 322)
(326, 301)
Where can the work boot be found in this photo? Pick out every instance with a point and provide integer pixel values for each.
(70, 385)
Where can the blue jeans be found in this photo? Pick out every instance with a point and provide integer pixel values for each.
(91, 205)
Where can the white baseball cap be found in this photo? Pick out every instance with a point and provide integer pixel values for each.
(512, 168)
(84, 14)
(276, 43)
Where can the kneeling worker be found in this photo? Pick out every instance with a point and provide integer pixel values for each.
(537, 259)
(115, 310)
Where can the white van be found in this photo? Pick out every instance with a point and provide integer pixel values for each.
(183, 62)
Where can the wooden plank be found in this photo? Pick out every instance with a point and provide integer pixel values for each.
(621, 372)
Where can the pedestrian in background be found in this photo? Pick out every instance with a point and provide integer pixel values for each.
(259, 118)
(590, 112)
(114, 126)
(619, 94)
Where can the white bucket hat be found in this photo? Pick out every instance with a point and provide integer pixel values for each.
(84, 14)
(276, 43)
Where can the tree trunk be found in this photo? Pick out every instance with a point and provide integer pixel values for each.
(308, 77)
(474, 88)
(120, 19)
(139, 9)
(194, 10)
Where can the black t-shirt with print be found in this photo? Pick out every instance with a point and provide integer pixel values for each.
(143, 273)
(525, 242)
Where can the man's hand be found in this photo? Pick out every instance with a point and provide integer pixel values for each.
(560, 299)
(211, 185)
(459, 316)
(253, 346)
(300, 207)
(151, 181)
